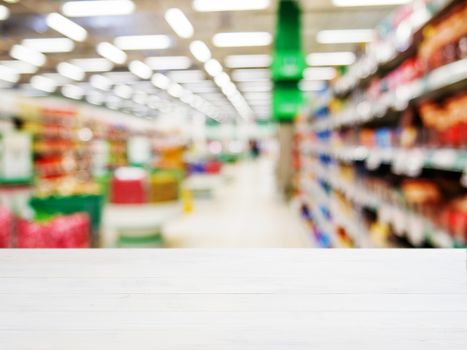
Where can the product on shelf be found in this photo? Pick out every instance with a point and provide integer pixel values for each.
(72, 231)
(129, 186)
(6, 227)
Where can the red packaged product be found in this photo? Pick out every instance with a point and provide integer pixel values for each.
(213, 167)
(128, 191)
(6, 227)
(31, 234)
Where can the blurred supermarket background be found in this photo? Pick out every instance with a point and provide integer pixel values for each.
(233, 123)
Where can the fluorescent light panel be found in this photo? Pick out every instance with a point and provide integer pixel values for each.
(93, 64)
(4, 13)
(168, 62)
(186, 76)
(242, 39)
(230, 5)
(8, 74)
(179, 23)
(97, 8)
(66, 27)
(342, 36)
(50, 45)
(259, 86)
(123, 91)
(140, 69)
(251, 74)
(200, 51)
(247, 61)
(343, 58)
(201, 87)
(72, 91)
(42, 83)
(353, 3)
(100, 82)
(213, 67)
(28, 55)
(70, 71)
(320, 73)
(160, 81)
(111, 52)
(142, 42)
(20, 67)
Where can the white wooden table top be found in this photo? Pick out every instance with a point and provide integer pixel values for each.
(233, 299)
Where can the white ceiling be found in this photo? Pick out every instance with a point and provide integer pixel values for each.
(27, 21)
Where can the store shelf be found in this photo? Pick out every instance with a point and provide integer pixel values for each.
(345, 84)
(438, 82)
(416, 227)
(403, 161)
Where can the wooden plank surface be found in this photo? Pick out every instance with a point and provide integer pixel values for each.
(233, 299)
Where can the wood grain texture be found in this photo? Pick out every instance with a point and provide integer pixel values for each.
(233, 299)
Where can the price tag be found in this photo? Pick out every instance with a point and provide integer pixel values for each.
(399, 162)
(399, 221)
(373, 161)
(415, 162)
(442, 239)
(444, 159)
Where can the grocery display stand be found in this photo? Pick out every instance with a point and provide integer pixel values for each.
(382, 157)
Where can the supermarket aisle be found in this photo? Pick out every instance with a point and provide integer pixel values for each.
(246, 211)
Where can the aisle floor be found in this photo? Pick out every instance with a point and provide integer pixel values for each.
(246, 211)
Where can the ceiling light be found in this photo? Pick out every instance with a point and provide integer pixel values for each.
(28, 55)
(246, 61)
(160, 81)
(121, 77)
(352, 3)
(202, 86)
(341, 36)
(97, 8)
(100, 82)
(179, 23)
(242, 39)
(4, 13)
(255, 86)
(229, 89)
(140, 69)
(66, 27)
(222, 79)
(175, 90)
(123, 91)
(93, 64)
(20, 67)
(72, 91)
(49, 45)
(213, 67)
(168, 62)
(231, 5)
(70, 71)
(330, 58)
(200, 51)
(95, 98)
(251, 74)
(57, 78)
(112, 53)
(186, 76)
(142, 42)
(257, 96)
(8, 74)
(310, 85)
(42, 83)
(320, 73)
